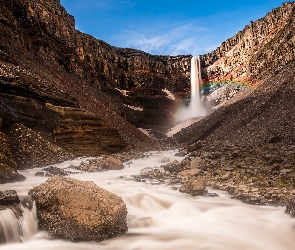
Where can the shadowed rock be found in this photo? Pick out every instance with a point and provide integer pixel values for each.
(7, 163)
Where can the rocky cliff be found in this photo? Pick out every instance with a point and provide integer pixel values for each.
(261, 49)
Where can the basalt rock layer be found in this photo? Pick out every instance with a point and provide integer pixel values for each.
(261, 49)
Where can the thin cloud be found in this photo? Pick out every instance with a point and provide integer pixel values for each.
(188, 38)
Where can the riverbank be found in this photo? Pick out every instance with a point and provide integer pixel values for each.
(161, 218)
(255, 174)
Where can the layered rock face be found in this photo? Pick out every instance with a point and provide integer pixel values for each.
(262, 48)
(79, 211)
(60, 84)
(44, 30)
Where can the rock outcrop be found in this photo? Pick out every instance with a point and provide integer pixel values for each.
(79, 211)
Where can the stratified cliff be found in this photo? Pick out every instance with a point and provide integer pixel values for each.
(52, 104)
(261, 49)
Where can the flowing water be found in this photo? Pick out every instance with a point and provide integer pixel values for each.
(161, 218)
(196, 106)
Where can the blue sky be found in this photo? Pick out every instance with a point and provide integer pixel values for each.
(166, 27)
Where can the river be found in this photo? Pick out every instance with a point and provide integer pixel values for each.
(161, 218)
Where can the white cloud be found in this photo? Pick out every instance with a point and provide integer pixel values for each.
(177, 39)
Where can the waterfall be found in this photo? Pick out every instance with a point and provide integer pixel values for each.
(196, 109)
(196, 80)
(9, 227)
(13, 229)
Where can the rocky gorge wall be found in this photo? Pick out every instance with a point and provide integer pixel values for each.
(262, 48)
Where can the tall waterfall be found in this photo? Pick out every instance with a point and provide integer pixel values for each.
(196, 107)
(196, 81)
(13, 229)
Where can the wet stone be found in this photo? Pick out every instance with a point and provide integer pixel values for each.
(40, 174)
(8, 197)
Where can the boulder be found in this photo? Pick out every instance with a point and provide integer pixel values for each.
(173, 166)
(8, 197)
(112, 163)
(79, 210)
(194, 187)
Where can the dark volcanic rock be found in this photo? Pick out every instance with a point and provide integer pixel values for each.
(31, 149)
(8, 197)
(78, 211)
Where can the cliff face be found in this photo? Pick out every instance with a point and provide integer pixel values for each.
(42, 34)
(261, 49)
(52, 79)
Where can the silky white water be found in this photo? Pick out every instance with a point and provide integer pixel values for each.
(160, 218)
(196, 107)
(21, 229)
(196, 80)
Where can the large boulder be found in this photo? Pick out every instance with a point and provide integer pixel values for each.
(79, 211)
(112, 163)
(194, 187)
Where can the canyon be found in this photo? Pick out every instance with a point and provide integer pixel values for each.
(84, 108)
(66, 94)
